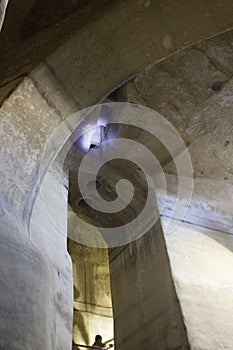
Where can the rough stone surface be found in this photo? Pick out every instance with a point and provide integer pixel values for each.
(193, 90)
(201, 262)
(92, 294)
(48, 233)
(26, 121)
(184, 90)
(36, 293)
(103, 48)
(146, 310)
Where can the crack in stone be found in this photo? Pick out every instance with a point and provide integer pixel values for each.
(139, 94)
(45, 97)
(173, 104)
(224, 167)
(61, 84)
(210, 60)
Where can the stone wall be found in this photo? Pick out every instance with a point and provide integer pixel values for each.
(194, 91)
(35, 269)
(48, 233)
(92, 294)
(36, 283)
(147, 313)
(201, 261)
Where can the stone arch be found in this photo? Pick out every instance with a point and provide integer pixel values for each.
(40, 103)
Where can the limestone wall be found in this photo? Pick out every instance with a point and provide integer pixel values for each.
(48, 233)
(36, 279)
(147, 313)
(193, 90)
(27, 292)
(92, 294)
(35, 269)
(201, 261)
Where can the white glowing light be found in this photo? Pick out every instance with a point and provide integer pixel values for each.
(94, 135)
(87, 139)
(102, 121)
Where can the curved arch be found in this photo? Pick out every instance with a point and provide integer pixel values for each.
(81, 72)
(85, 69)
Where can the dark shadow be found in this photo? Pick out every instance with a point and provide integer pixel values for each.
(79, 321)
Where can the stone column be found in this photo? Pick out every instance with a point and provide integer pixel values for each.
(35, 269)
(146, 310)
